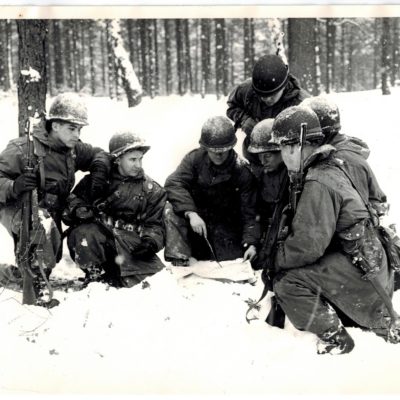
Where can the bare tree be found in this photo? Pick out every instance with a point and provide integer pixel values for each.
(385, 42)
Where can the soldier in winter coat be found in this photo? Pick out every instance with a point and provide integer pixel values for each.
(117, 238)
(58, 154)
(212, 196)
(270, 90)
(332, 249)
(352, 150)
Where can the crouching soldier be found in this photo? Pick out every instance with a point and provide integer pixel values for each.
(332, 260)
(212, 196)
(57, 154)
(117, 238)
(273, 196)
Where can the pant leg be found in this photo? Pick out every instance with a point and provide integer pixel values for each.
(89, 245)
(10, 218)
(305, 294)
(177, 246)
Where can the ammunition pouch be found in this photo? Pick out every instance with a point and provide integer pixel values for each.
(362, 244)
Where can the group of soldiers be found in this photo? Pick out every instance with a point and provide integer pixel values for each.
(303, 207)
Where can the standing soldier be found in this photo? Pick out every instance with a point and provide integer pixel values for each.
(212, 197)
(117, 238)
(332, 260)
(270, 90)
(58, 154)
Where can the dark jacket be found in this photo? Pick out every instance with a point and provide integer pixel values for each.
(59, 167)
(244, 103)
(137, 201)
(219, 194)
(355, 153)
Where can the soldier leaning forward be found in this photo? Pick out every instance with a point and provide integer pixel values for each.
(270, 90)
(59, 153)
(117, 238)
(212, 196)
(332, 253)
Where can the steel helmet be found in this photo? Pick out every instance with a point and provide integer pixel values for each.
(126, 140)
(270, 74)
(218, 134)
(260, 138)
(327, 112)
(70, 107)
(287, 125)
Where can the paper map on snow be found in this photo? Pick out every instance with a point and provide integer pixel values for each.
(231, 270)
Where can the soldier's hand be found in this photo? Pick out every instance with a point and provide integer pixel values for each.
(197, 224)
(250, 253)
(24, 183)
(248, 126)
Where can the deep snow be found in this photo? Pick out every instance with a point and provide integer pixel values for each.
(187, 336)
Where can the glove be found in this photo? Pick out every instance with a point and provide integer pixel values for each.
(99, 180)
(248, 126)
(24, 183)
(146, 248)
(84, 213)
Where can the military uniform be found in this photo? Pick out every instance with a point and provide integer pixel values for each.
(224, 196)
(56, 166)
(315, 271)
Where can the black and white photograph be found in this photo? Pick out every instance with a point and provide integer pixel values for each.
(200, 200)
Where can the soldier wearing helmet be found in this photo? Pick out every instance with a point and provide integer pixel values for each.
(212, 194)
(270, 90)
(59, 153)
(321, 283)
(117, 238)
(353, 151)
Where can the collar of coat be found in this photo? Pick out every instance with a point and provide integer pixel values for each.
(320, 153)
(117, 177)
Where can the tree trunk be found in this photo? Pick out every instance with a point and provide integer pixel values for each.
(75, 49)
(205, 56)
(151, 33)
(130, 82)
(248, 29)
(317, 35)
(219, 56)
(301, 39)
(104, 58)
(92, 38)
(376, 53)
(395, 52)
(84, 27)
(188, 58)
(156, 59)
(385, 43)
(168, 57)
(350, 63)
(330, 53)
(180, 58)
(32, 83)
(58, 50)
(68, 52)
(144, 55)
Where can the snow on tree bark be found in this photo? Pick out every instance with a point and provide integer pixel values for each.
(130, 81)
(32, 84)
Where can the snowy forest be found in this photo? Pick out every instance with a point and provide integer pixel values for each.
(180, 335)
(209, 56)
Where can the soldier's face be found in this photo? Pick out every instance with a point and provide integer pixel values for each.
(291, 156)
(270, 160)
(130, 163)
(272, 99)
(218, 158)
(67, 133)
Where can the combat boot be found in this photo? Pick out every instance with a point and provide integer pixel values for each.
(335, 341)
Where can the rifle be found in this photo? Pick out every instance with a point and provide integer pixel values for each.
(31, 235)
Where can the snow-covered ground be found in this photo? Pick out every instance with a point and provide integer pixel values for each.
(187, 336)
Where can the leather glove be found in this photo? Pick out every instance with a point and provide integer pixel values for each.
(99, 180)
(248, 126)
(24, 183)
(84, 213)
(146, 248)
